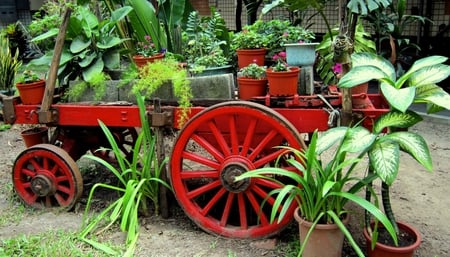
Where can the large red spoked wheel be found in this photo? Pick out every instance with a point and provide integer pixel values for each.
(125, 139)
(45, 176)
(217, 145)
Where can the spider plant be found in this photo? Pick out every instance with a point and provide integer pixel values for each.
(139, 181)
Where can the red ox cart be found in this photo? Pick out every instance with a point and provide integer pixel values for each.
(222, 139)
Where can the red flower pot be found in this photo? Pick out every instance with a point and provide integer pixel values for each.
(382, 250)
(283, 83)
(31, 93)
(249, 88)
(140, 60)
(247, 56)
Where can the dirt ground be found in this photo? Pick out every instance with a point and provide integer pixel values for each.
(419, 198)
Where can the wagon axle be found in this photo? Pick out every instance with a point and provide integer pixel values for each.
(228, 175)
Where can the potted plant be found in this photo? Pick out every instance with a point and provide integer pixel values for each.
(146, 52)
(252, 81)
(250, 47)
(206, 42)
(320, 187)
(31, 87)
(417, 85)
(300, 51)
(9, 65)
(283, 79)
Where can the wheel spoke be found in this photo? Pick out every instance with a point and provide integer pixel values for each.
(262, 145)
(200, 159)
(257, 208)
(248, 137)
(61, 201)
(203, 189)
(263, 194)
(28, 172)
(213, 202)
(199, 174)
(242, 211)
(208, 147)
(267, 183)
(227, 209)
(268, 158)
(63, 189)
(233, 135)
(219, 138)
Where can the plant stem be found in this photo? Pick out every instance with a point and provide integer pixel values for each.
(387, 205)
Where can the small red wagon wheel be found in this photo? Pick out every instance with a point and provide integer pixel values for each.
(125, 139)
(215, 146)
(45, 176)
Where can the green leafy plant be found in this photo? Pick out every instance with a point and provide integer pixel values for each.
(9, 65)
(297, 34)
(157, 74)
(248, 39)
(28, 76)
(97, 84)
(253, 71)
(90, 45)
(321, 188)
(417, 85)
(139, 181)
(206, 40)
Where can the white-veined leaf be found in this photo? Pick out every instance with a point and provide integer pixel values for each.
(415, 145)
(329, 138)
(372, 59)
(384, 158)
(433, 94)
(429, 75)
(401, 99)
(396, 119)
(358, 139)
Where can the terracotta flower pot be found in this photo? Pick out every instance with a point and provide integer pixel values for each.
(249, 88)
(247, 56)
(283, 83)
(140, 60)
(325, 240)
(34, 136)
(382, 250)
(31, 93)
(359, 95)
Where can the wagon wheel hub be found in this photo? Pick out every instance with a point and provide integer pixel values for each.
(228, 175)
(42, 185)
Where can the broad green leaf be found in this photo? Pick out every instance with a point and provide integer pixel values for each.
(112, 59)
(359, 75)
(120, 13)
(429, 75)
(109, 42)
(88, 60)
(415, 145)
(396, 119)
(400, 99)
(384, 158)
(372, 59)
(358, 139)
(427, 61)
(363, 7)
(329, 138)
(95, 68)
(79, 44)
(49, 34)
(432, 108)
(433, 94)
